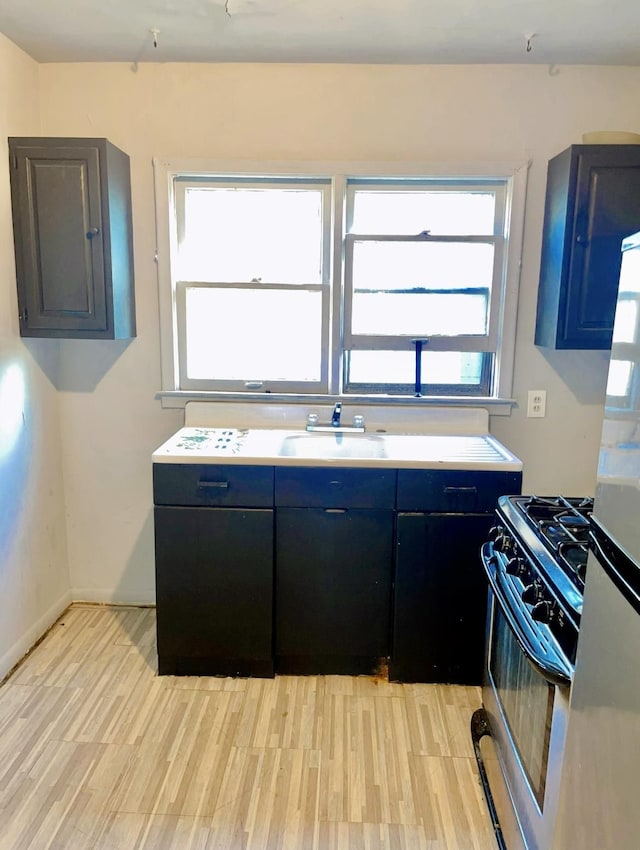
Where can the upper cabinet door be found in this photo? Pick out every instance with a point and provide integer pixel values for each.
(592, 204)
(72, 231)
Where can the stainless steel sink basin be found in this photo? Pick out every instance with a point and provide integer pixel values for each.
(321, 445)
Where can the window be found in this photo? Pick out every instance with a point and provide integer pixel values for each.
(251, 264)
(318, 283)
(424, 260)
(623, 385)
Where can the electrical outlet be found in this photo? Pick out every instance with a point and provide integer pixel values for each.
(537, 403)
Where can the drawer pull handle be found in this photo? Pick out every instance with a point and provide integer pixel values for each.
(460, 491)
(335, 484)
(213, 485)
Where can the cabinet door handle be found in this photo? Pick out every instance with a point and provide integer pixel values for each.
(213, 485)
(459, 491)
(93, 231)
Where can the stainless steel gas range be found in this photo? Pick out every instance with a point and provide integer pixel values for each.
(535, 560)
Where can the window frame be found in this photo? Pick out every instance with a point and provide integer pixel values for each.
(180, 185)
(166, 170)
(485, 344)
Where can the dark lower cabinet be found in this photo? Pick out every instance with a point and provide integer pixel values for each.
(324, 570)
(333, 589)
(440, 594)
(214, 590)
(440, 599)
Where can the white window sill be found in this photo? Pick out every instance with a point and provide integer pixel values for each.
(495, 406)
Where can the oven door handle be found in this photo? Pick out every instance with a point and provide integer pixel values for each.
(538, 650)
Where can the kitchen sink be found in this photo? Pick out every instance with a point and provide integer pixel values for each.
(321, 445)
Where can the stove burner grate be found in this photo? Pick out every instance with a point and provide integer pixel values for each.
(562, 524)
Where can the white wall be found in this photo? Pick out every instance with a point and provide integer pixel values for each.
(110, 420)
(34, 577)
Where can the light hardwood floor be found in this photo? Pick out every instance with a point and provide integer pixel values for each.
(99, 753)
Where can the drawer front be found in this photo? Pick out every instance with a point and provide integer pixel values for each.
(321, 487)
(454, 491)
(210, 485)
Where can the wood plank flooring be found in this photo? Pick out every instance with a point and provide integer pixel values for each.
(97, 752)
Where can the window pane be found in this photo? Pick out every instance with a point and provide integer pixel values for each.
(253, 335)
(399, 367)
(247, 234)
(428, 265)
(409, 213)
(393, 314)
(625, 328)
(412, 288)
(619, 381)
(626, 323)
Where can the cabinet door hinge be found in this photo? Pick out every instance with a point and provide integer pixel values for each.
(23, 315)
(14, 161)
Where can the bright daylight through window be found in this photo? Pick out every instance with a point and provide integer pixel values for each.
(321, 284)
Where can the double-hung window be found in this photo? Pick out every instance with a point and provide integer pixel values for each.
(424, 262)
(316, 282)
(251, 271)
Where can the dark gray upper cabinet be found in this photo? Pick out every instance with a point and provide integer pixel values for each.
(71, 201)
(592, 203)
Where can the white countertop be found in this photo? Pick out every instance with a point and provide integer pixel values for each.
(284, 447)
(269, 435)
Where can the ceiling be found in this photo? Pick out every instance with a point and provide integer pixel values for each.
(376, 31)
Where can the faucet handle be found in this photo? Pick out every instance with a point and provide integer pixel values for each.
(358, 421)
(312, 419)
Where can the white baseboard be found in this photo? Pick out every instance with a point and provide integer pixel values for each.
(106, 596)
(33, 634)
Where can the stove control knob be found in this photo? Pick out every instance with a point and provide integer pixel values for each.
(542, 612)
(532, 594)
(502, 541)
(516, 567)
(494, 532)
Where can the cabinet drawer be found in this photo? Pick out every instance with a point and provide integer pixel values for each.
(335, 488)
(454, 491)
(208, 484)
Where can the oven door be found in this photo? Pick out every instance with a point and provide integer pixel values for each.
(525, 696)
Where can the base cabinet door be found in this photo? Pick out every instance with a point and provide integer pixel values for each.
(214, 590)
(333, 590)
(440, 598)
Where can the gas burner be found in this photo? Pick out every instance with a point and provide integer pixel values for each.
(562, 525)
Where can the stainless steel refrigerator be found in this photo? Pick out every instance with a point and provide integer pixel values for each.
(599, 805)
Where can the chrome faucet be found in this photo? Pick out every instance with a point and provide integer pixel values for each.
(335, 424)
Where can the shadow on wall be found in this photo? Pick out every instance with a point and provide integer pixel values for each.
(15, 451)
(76, 365)
(584, 372)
